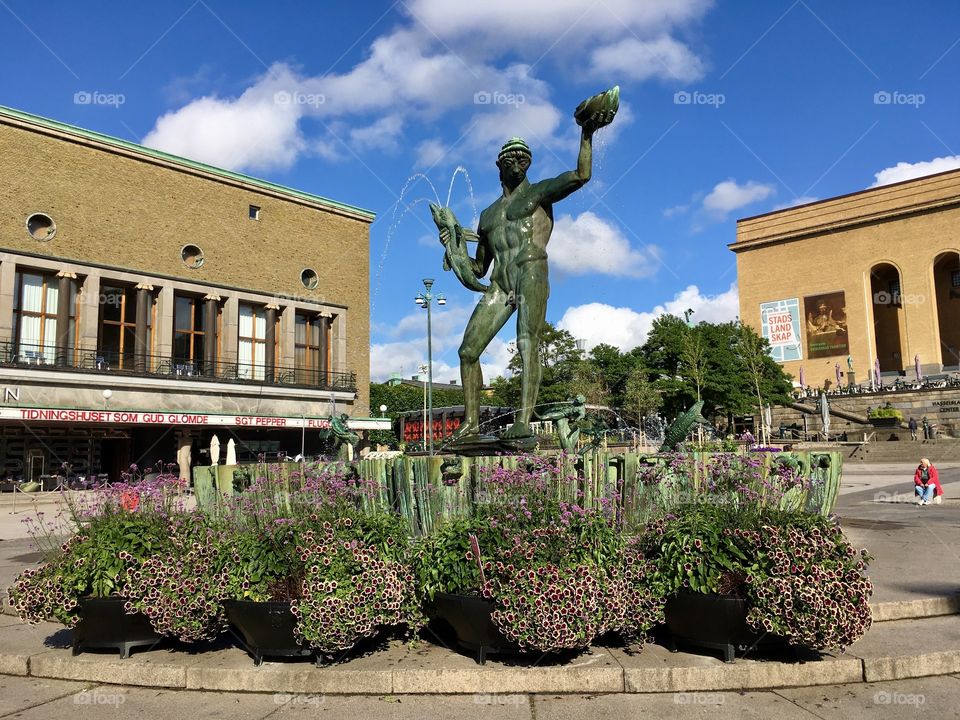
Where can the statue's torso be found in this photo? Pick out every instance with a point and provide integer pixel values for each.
(516, 228)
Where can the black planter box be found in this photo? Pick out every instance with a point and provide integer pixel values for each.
(266, 629)
(469, 616)
(886, 422)
(105, 624)
(718, 622)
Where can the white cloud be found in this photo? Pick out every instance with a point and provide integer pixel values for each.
(802, 200)
(589, 244)
(407, 348)
(538, 26)
(381, 134)
(908, 171)
(430, 152)
(728, 196)
(626, 328)
(249, 132)
(437, 60)
(663, 57)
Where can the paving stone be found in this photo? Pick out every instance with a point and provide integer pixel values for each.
(19, 641)
(656, 669)
(923, 697)
(233, 669)
(705, 705)
(434, 669)
(910, 648)
(410, 707)
(21, 693)
(151, 703)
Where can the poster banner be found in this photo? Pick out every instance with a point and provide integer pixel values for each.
(780, 325)
(826, 320)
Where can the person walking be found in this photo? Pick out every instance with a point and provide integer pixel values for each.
(926, 482)
(912, 424)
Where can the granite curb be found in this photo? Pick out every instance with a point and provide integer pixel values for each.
(894, 650)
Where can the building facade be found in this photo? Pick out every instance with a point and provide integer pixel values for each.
(148, 302)
(857, 284)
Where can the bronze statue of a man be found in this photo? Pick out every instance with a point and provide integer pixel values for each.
(513, 236)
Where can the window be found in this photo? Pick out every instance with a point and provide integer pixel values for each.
(41, 227)
(955, 278)
(189, 334)
(308, 346)
(309, 278)
(118, 325)
(254, 212)
(252, 348)
(191, 256)
(35, 303)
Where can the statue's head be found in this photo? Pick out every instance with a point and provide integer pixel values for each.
(513, 160)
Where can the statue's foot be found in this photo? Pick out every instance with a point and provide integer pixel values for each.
(465, 430)
(517, 430)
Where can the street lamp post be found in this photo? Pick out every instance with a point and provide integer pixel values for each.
(425, 300)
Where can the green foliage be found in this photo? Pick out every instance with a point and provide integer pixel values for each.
(802, 579)
(95, 562)
(886, 412)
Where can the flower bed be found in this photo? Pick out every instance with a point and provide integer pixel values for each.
(556, 553)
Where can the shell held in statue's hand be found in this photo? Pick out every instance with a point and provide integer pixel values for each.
(599, 110)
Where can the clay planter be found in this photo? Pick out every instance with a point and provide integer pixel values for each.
(469, 616)
(718, 622)
(105, 624)
(266, 629)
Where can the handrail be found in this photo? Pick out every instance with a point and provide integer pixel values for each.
(99, 361)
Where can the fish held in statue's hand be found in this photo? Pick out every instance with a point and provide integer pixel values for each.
(455, 255)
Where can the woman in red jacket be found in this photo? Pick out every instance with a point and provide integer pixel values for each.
(926, 483)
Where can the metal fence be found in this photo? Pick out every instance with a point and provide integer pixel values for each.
(49, 357)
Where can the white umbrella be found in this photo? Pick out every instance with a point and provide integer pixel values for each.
(183, 460)
(916, 367)
(768, 422)
(214, 450)
(231, 452)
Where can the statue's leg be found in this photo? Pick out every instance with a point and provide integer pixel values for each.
(488, 317)
(531, 315)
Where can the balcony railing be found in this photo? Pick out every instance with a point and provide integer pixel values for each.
(112, 363)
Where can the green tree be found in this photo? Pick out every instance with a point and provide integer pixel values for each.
(641, 395)
(559, 357)
(693, 358)
(768, 382)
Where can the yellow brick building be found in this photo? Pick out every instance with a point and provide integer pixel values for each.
(869, 280)
(166, 300)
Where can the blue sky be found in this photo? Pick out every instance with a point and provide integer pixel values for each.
(728, 109)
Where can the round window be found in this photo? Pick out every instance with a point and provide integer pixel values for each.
(192, 256)
(41, 226)
(309, 278)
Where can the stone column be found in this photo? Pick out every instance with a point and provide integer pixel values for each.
(270, 340)
(288, 328)
(322, 377)
(210, 307)
(89, 329)
(141, 345)
(230, 330)
(65, 280)
(164, 322)
(8, 282)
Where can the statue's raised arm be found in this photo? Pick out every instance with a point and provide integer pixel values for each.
(591, 115)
